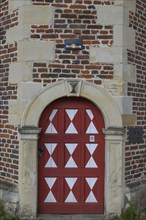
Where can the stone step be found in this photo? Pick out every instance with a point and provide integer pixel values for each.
(71, 217)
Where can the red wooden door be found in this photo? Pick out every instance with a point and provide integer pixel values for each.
(71, 161)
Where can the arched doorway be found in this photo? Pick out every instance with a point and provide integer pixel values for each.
(114, 138)
(71, 158)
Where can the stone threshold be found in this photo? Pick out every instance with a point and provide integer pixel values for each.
(71, 217)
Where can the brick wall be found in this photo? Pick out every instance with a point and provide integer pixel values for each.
(73, 20)
(136, 153)
(8, 133)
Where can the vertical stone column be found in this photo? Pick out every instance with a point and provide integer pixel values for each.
(114, 170)
(117, 16)
(29, 50)
(28, 171)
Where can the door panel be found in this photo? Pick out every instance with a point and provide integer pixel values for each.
(71, 166)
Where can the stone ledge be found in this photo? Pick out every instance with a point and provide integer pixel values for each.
(29, 133)
(29, 130)
(114, 131)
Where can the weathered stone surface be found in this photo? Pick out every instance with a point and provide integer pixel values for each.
(110, 15)
(129, 120)
(41, 15)
(9, 197)
(124, 37)
(20, 72)
(125, 72)
(106, 54)
(18, 33)
(27, 90)
(136, 193)
(15, 4)
(29, 50)
(124, 104)
(130, 4)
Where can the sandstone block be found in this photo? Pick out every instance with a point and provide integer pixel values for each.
(17, 33)
(26, 90)
(15, 4)
(37, 15)
(124, 104)
(124, 37)
(19, 72)
(106, 54)
(29, 50)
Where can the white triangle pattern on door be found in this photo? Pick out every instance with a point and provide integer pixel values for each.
(91, 181)
(91, 198)
(50, 197)
(91, 162)
(50, 148)
(71, 148)
(71, 197)
(51, 128)
(91, 128)
(71, 128)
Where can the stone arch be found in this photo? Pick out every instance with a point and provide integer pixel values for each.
(99, 96)
(114, 137)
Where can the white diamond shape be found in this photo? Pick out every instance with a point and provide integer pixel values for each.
(91, 148)
(91, 198)
(50, 198)
(91, 163)
(91, 129)
(90, 114)
(50, 181)
(51, 129)
(71, 113)
(51, 163)
(71, 182)
(51, 147)
(71, 129)
(91, 182)
(71, 163)
(71, 147)
(70, 198)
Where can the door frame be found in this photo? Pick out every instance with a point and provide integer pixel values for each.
(114, 143)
